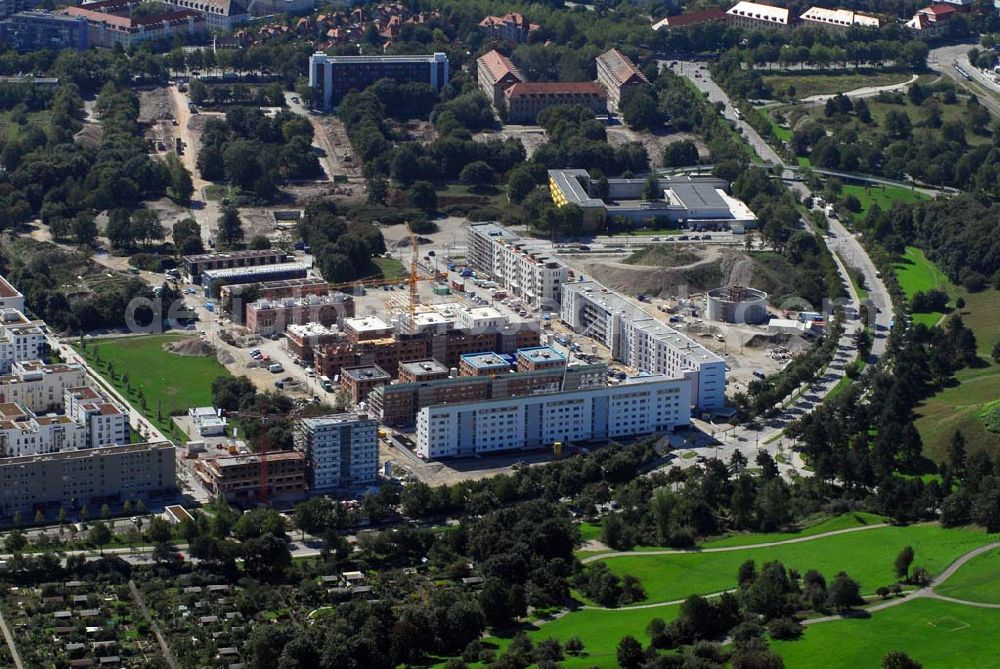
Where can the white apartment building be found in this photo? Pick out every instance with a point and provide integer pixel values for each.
(40, 387)
(527, 272)
(756, 16)
(106, 421)
(10, 297)
(24, 433)
(481, 318)
(341, 449)
(638, 406)
(20, 338)
(840, 19)
(640, 341)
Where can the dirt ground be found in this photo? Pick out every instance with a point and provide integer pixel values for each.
(332, 138)
(417, 130)
(654, 143)
(531, 136)
(155, 104)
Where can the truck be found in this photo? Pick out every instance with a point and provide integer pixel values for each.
(327, 383)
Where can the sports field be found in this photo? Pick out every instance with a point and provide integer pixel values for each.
(918, 274)
(170, 381)
(937, 634)
(866, 555)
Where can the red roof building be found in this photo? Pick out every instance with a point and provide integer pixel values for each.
(496, 74)
(523, 101)
(691, 19)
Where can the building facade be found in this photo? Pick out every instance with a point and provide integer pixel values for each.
(837, 19)
(333, 77)
(511, 28)
(237, 478)
(617, 73)
(636, 407)
(21, 339)
(71, 479)
(40, 387)
(527, 272)
(194, 265)
(109, 30)
(35, 30)
(644, 343)
(221, 16)
(273, 316)
(341, 451)
(212, 280)
(524, 101)
(106, 421)
(495, 74)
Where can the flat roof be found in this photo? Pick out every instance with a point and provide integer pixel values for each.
(254, 270)
(484, 312)
(365, 373)
(337, 419)
(366, 324)
(492, 230)
(437, 56)
(541, 354)
(487, 360)
(422, 367)
(223, 255)
(692, 195)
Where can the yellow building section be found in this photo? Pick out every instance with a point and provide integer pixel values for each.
(557, 195)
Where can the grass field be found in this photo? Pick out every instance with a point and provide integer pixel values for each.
(829, 83)
(171, 381)
(390, 268)
(937, 634)
(958, 407)
(883, 196)
(977, 581)
(867, 556)
(918, 274)
(12, 130)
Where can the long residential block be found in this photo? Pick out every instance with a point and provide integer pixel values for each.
(93, 477)
(526, 271)
(643, 342)
(638, 406)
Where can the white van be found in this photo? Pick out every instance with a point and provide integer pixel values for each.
(276, 368)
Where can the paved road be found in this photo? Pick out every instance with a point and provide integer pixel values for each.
(865, 91)
(9, 638)
(730, 549)
(943, 60)
(203, 210)
(697, 72)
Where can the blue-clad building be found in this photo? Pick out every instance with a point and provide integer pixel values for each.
(36, 30)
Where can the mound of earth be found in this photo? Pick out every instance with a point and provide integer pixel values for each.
(192, 347)
(793, 343)
(225, 358)
(658, 275)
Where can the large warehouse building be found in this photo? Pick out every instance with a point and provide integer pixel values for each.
(684, 199)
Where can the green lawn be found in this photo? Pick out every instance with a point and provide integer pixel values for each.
(959, 407)
(167, 380)
(12, 130)
(867, 556)
(977, 581)
(390, 268)
(937, 634)
(590, 531)
(829, 83)
(883, 196)
(918, 274)
(841, 522)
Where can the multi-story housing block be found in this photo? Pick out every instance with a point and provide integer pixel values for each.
(636, 407)
(526, 271)
(341, 450)
(644, 343)
(617, 73)
(333, 77)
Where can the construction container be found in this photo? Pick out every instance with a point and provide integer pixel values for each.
(442, 290)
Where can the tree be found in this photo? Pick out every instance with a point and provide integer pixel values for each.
(158, 531)
(100, 535)
(680, 154)
(423, 196)
(574, 646)
(956, 453)
(651, 189)
(15, 541)
(639, 110)
(903, 562)
(477, 173)
(39, 517)
(897, 659)
(844, 592)
(180, 179)
(105, 512)
(519, 184)
(259, 243)
(630, 655)
(996, 353)
(187, 237)
(230, 227)
(85, 229)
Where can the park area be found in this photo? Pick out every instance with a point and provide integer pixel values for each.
(917, 274)
(881, 195)
(866, 552)
(796, 85)
(157, 381)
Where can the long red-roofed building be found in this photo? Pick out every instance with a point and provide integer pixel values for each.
(496, 74)
(524, 101)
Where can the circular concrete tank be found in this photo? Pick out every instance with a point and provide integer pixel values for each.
(737, 304)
